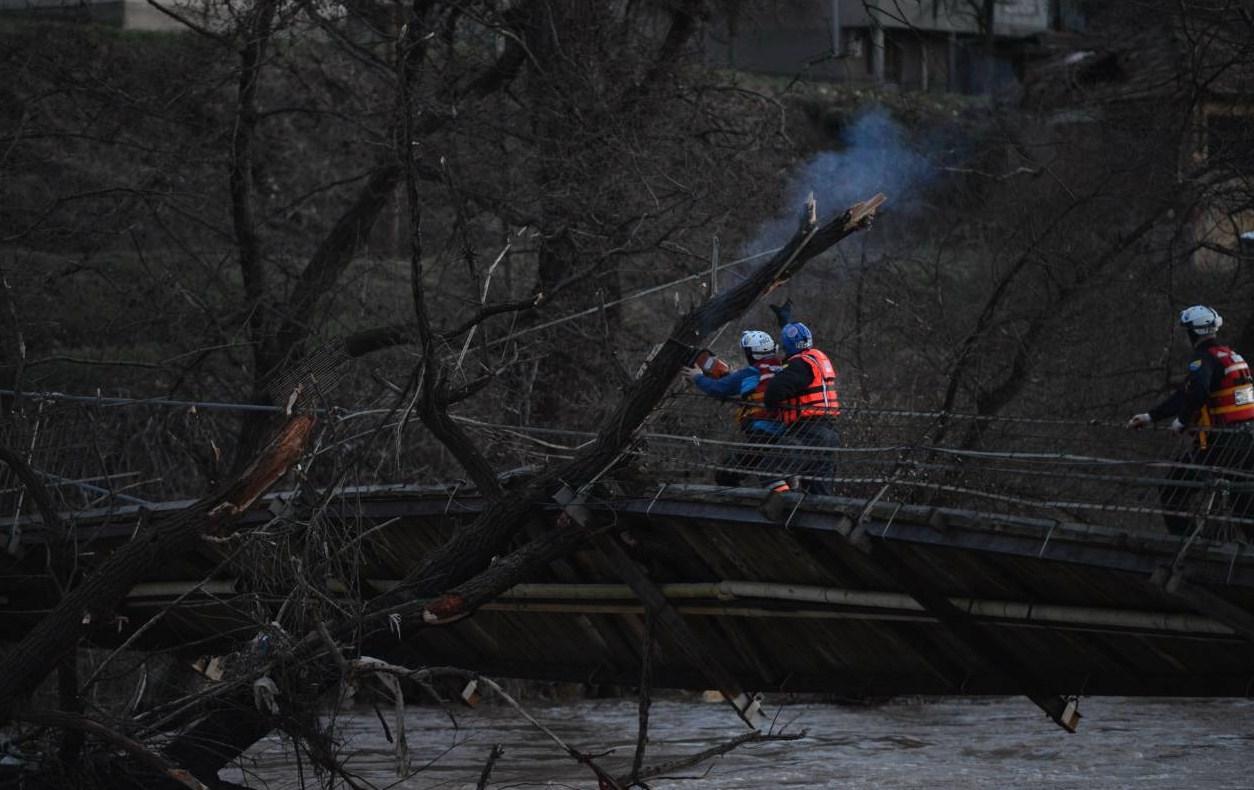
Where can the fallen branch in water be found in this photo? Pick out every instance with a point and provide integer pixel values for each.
(493, 756)
(655, 771)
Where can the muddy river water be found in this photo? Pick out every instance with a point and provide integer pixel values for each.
(982, 743)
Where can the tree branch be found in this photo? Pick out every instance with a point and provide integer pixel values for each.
(93, 601)
(433, 384)
(368, 341)
(714, 751)
(256, 29)
(134, 748)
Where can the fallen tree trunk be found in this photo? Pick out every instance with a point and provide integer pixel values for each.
(469, 550)
(93, 601)
(466, 558)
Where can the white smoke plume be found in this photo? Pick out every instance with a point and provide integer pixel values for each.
(876, 155)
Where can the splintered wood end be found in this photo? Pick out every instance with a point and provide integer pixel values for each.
(865, 210)
(272, 464)
(443, 609)
(810, 217)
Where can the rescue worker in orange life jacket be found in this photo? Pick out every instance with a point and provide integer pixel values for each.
(748, 385)
(805, 394)
(1216, 404)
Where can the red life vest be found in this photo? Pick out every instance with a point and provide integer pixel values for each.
(755, 409)
(1232, 401)
(818, 398)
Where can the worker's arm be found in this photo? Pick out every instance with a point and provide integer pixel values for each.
(1186, 402)
(788, 382)
(733, 385)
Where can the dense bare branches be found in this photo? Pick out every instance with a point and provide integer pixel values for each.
(329, 203)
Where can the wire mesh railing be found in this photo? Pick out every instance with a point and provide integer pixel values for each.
(98, 452)
(1086, 471)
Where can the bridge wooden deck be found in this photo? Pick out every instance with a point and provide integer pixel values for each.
(806, 594)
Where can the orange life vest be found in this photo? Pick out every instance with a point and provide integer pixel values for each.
(818, 398)
(755, 409)
(1232, 401)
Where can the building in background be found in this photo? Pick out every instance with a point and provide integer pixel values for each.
(126, 14)
(1185, 78)
(942, 45)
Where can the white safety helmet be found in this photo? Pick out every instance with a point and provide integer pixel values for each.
(757, 344)
(1201, 320)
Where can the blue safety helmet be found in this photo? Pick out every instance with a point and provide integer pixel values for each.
(795, 337)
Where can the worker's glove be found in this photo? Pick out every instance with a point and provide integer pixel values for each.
(1139, 421)
(1177, 426)
(693, 372)
(783, 312)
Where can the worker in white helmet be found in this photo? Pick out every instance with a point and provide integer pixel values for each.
(1216, 405)
(759, 425)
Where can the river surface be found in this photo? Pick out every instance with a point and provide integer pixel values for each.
(982, 743)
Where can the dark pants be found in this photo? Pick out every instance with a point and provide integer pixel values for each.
(1224, 450)
(748, 460)
(817, 462)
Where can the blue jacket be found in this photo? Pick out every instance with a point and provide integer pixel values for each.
(735, 386)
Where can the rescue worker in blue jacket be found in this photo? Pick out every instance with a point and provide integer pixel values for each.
(804, 393)
(1216, 405)
(759, 424)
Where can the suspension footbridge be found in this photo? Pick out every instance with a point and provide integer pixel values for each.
(941, 565)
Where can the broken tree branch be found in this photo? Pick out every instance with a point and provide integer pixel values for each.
(493, 756)
(95, 598)
(646, 683)
(715, 751)
(141, 753)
